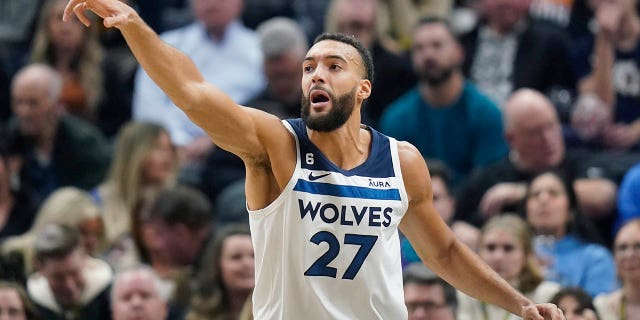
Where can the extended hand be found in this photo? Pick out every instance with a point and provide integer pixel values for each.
(542, 311)
(114, 12)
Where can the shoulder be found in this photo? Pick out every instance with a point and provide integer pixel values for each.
(409, 155)
(414, 169)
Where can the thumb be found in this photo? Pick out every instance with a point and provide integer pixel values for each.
(115, 21)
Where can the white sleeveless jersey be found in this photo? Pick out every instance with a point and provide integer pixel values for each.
(328, 247)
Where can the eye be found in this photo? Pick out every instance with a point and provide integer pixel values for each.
(335, 66)
(307, 68)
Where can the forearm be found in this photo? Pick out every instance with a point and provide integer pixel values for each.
(467, 272)
(600, 81)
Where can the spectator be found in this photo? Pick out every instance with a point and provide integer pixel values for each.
(284, 47)
(137, 293)
(69, 206)
(14, 303)
(69, 283)
(227, 54)
(445, 116)
(628, 197)
(575, 303)
(175, 233)
(533, 131)
(58, 149)
(427, 296)
(607, 116)
(225, 282)
(623, 303)
(445, 205)
(76, 53)
(144, 159)
(392, 75)
(183, 221)
(507, 51)
(505, 244)
(568, 256)
(17, 209)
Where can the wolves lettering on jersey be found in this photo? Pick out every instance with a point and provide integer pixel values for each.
(330, 232)
(345, 215)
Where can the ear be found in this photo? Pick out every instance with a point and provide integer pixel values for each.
(365, 89)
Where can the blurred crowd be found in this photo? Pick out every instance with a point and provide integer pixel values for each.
(114, 205)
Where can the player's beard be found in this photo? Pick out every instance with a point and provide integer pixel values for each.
(341, 109)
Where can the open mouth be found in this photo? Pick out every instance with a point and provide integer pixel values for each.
(319, 96)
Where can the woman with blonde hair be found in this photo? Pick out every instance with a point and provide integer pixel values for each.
(144, 161)
(67, 206)
(505, 244)
(75, 52)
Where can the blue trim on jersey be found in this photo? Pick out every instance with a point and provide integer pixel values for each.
(379, 164)
(346, 191)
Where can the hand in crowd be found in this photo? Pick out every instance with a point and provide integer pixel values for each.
(590, 116)
(115, 13)
(546, 311)
(500, 196)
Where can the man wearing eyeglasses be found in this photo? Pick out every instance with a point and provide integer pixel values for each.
(427, 296)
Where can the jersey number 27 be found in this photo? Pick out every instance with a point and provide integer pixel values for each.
(321, 266)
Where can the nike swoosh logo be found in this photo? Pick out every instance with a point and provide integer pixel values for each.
(313, 178)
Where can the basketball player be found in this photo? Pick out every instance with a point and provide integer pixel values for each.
(326, 194)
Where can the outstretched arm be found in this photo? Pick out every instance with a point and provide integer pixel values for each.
(231, 127)
(448, 257)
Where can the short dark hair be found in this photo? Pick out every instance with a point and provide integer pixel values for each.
(182, 204)
(365, 55)
(418, 273)
(56, 241)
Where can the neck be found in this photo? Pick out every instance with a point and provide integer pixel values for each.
(443, 94)
(217, 33)
(348, 146)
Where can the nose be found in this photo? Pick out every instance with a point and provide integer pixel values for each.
(136, 301)
(318, 75)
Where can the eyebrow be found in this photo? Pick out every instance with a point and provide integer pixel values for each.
(331, 56)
